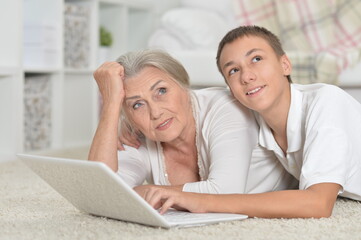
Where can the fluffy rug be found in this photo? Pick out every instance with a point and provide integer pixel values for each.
(30, 209)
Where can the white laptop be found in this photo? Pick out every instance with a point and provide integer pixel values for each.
(92, 187)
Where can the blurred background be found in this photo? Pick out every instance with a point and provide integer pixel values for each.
(49, 101)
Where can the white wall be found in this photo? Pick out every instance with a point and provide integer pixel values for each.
(160, 6)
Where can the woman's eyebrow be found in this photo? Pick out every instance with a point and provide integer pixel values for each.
(151, 89)
(155, 84)
(132, 97)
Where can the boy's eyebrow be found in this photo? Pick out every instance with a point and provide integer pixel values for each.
(228, 64)
(246, 55)
(252, 51)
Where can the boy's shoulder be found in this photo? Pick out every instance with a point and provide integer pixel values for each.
(213, 96)
(321, 91)
(321, 88)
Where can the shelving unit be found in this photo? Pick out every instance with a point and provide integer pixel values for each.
(36, 44)
(10, 77)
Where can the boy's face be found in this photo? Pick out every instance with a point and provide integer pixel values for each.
(255, 74)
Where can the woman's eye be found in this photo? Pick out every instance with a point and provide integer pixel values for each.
(232, 71)
(136, 105)
(256, 59)
(162, 91)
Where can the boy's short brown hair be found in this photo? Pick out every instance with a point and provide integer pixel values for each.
(257, 31)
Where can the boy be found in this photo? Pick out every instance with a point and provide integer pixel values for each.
(314, 130)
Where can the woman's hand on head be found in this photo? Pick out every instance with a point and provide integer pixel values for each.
(109, 77)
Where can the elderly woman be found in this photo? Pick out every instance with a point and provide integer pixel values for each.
(193, 140)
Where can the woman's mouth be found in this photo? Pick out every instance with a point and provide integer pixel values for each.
(164, 125)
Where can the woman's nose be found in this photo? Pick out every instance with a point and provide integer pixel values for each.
(155, 111)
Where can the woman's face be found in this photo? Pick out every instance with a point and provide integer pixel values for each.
(157, 105)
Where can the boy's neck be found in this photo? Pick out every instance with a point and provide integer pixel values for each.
(276, 118)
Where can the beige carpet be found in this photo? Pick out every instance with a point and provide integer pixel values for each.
(30, 209)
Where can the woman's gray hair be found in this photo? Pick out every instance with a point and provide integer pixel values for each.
(135, 62)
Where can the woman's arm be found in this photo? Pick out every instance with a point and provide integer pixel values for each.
(317, 201)
(109, 78)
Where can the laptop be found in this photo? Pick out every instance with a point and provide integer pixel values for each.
(92, 187)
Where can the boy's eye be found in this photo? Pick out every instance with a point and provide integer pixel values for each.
(232, 71)
(256, 59)
(162, 91)
(136, 105)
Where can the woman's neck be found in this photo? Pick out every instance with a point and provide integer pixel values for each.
(181, 159)
(183, 145)
(186, 141)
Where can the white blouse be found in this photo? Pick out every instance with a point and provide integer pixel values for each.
(229, 157)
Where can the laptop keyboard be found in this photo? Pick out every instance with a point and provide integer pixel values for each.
(175, 216)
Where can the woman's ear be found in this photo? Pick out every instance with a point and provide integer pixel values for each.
(286, 65)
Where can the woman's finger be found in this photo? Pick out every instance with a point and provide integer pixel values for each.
(168, 203)
(154, 197)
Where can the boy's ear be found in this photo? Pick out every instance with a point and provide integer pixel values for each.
(286, 65)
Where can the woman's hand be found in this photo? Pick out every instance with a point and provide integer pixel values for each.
(109, 77)
(165, 197)
(143, 189)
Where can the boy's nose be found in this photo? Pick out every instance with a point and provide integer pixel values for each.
(247, 77)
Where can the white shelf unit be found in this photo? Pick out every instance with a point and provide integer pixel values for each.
(35, 45)
(10, 76)
(135, 18)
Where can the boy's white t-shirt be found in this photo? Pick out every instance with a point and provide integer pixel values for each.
(323, 136)
(229, 157)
